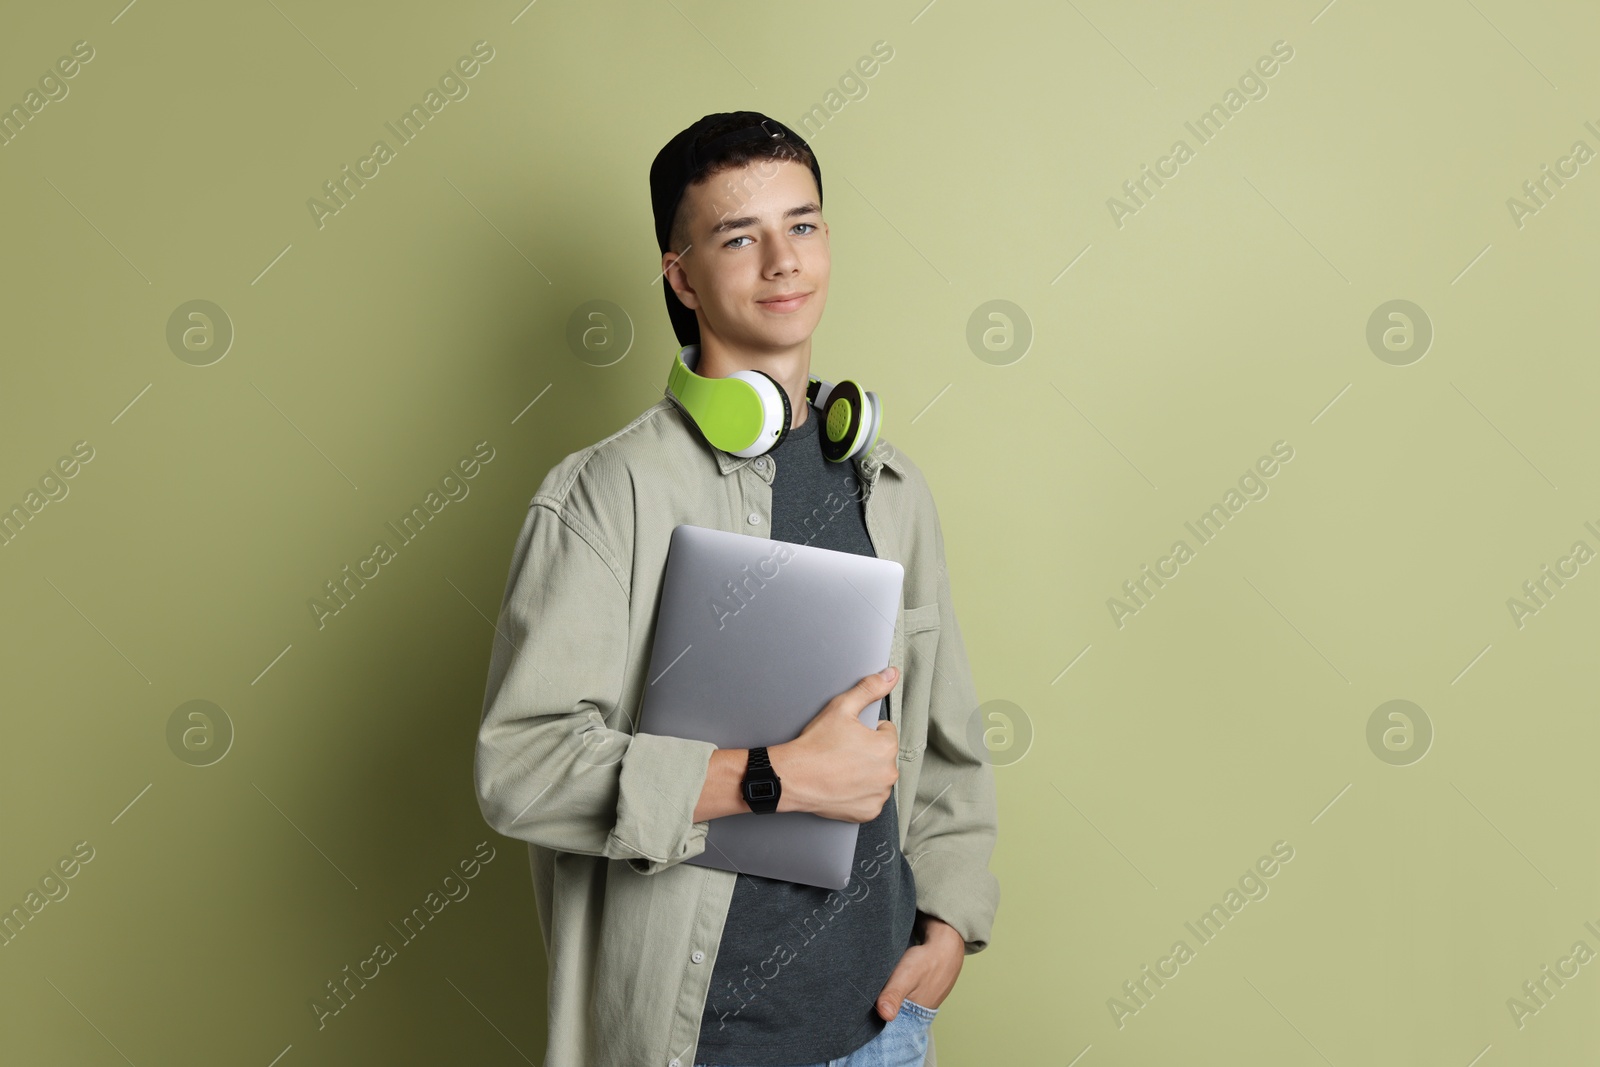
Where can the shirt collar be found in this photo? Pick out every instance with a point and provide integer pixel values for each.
(867, 466)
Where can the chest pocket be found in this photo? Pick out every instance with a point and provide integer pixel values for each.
(915, 644)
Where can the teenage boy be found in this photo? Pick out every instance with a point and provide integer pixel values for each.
(652, 960)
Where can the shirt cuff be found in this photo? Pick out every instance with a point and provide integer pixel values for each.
(955, 890)
(659, 787)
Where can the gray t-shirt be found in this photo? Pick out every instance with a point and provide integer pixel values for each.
(799, 967)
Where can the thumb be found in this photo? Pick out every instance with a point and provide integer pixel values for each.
(895, 990)
(870, 687)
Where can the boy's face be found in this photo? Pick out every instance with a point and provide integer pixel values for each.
(755, 232)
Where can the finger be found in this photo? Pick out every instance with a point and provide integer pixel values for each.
(871, 688)
(901, 983)
(873, 683)
(897, 989)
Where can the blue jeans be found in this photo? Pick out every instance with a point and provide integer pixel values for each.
(901, 1043)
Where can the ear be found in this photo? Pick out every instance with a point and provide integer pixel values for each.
(678, 278)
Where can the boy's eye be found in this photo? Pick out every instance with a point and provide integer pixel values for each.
(745, 237)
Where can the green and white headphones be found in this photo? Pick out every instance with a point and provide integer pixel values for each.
(748, 414)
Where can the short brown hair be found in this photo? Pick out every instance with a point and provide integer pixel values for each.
(731, 157)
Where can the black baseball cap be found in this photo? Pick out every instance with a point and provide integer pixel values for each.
(684, 159)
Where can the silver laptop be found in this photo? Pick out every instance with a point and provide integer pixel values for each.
(753, 638)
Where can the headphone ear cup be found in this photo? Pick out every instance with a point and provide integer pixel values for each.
(870, 436)
(775, 410)
(849, 414)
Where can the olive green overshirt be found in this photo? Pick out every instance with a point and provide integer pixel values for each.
(630, 930)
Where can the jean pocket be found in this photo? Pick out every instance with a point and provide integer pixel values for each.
(922, 1013)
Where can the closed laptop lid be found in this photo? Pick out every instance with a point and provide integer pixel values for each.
(753, 638)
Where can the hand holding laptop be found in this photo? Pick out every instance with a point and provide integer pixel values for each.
(838, 768)
(835, 768)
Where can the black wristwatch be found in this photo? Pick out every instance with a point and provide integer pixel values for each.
(762, 787)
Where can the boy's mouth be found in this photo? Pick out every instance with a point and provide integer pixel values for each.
(785, 302)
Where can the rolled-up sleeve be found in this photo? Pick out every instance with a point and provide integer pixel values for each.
(956, 825)
(548, 769)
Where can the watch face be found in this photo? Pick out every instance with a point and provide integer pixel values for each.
(761, 791)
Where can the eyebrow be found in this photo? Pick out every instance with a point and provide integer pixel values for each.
(809, 208)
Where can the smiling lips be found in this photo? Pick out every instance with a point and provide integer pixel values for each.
(787, 303)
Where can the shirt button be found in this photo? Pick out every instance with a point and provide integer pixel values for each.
(761, 463)
(755, 520)
(697, 956)
(673, 1063)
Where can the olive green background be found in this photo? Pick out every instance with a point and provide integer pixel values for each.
(1166, 354)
